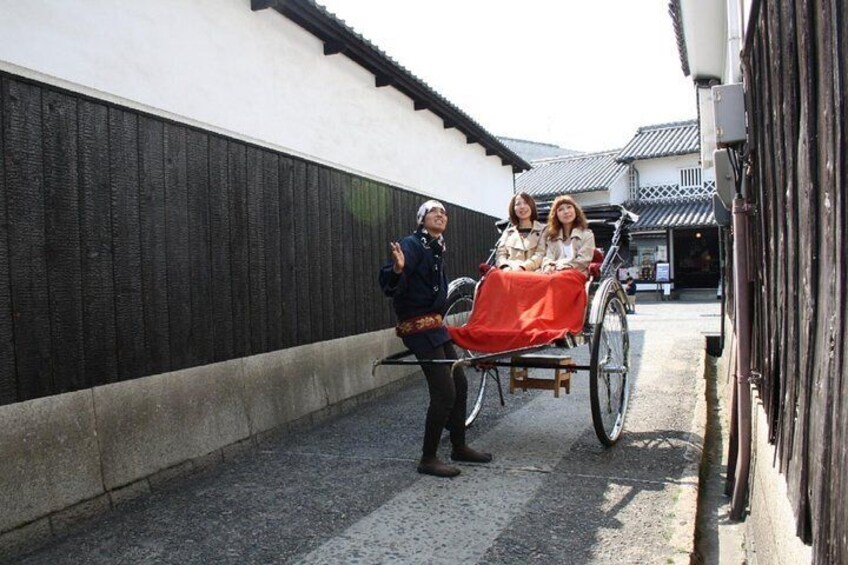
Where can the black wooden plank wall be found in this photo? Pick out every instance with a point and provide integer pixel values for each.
(796, 65)
(131, 245)
(62, 228)
(8, 374)
(26, 237)
(153, 235)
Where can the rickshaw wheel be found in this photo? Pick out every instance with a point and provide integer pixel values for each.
(609, 378)
(459, 304)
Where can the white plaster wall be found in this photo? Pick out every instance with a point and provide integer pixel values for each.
(665, 170)
(620, 190)
(738, 12)
(252, 75)
(706, 110)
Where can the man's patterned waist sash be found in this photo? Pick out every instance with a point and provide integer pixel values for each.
(418, 324)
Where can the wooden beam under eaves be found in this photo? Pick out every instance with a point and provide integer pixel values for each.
(421, 105)
(257, 5)
(333, 48)
(449, 124)
(382, 80)
(470, 140)
(490, 152)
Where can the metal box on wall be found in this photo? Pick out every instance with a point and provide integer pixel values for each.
(729, 104)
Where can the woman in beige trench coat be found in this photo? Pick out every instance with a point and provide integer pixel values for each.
(522, 245)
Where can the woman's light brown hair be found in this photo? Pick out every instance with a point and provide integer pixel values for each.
(554, 225)
(513, 217)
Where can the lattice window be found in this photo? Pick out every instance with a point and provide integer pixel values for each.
(690, 178)
(633, 182)
(660, 192)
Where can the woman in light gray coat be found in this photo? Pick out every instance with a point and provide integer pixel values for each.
(570, 242)
(522, 245)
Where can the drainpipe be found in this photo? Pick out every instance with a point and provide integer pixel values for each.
(743, 354)
(721, 287)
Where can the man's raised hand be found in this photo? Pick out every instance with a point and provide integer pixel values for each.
(398, 259)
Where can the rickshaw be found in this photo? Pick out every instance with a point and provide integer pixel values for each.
(604, 331)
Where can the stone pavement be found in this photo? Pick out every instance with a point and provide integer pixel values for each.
(346, 490)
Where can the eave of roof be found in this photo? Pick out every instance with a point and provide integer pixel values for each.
(339, 38)
(677, 23)
(683, 213)
(662, 140)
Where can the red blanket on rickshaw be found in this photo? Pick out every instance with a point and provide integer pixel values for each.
(513, 310)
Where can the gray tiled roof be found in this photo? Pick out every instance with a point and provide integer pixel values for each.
(690, 213)
(568, 175)
(532, 150)
(662, 140)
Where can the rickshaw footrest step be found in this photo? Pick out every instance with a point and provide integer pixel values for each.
(519, 376)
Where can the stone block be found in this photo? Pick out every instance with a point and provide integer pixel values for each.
(208, 461)
(282, 386)
(150, 424)
(50, 457)
(129, 492)
(346, 371)
(161, 479)
(65, 520)
(26, 538)
(771, 521)
(290, 384)
(239, 448)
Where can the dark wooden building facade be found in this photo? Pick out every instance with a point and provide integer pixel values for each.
(795, 64)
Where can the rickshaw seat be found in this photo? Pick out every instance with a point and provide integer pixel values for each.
(595, 265)
(514, 310)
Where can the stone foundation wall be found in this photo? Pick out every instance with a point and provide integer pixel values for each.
(70, 456)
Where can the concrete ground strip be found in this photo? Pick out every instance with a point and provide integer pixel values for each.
(456, 521)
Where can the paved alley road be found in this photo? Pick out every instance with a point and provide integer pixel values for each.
(346, 490)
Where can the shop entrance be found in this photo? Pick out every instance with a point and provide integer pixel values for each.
(696, 258)
(646, 250)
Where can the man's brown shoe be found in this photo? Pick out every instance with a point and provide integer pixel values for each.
(470, 455)
(432, 466)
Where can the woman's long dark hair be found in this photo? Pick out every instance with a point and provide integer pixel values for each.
(513, 217)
